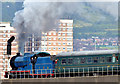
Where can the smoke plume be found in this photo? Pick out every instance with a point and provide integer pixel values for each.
(36, 17)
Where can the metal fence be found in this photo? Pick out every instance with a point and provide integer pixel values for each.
(65, 72)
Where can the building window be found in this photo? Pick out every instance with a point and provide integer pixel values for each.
(29, 49)
(49, 33)
(59, 34)
(102, 59)
(54, 48)
(8, 35)
(109, 59)
(59, 48)
(69, 48)
(69, 43)
(49, 48)
(95, 59)
(54, 43)
(69, 34)
(44, 49)
(8, 31)
(4, 48)
(70, 61)
(36, 48)
(29, 39)
(63, 48)
(63, 38)
(49, 38)
(3, 44)
(69, 29)
(44, 38)
(83, 60)
(4, 31)
(36, 44)
(59, 38)
(59, 29)
(63, 34)
(69, 39)
(54, 38)
(60, 24)
(63, 61)
(4, 35)
(4, 54)
(64, 29)
(59, 43)
(29, 44)
(64, 24)
(4, 40)
(49, 43)
(69, 24)
(64, 43)
(54, 33)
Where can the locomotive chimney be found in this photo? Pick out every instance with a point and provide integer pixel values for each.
(9, 45)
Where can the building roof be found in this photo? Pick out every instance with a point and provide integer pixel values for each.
(81, 53)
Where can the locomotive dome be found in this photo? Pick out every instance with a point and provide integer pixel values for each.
(81, 53)
(42, 54)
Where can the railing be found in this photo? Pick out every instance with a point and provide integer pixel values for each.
(65, 72)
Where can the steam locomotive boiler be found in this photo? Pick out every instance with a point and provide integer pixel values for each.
(30, 65)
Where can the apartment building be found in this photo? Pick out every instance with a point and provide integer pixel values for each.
(6, 31)
(54, 41)
(33, 43)
(58, 40)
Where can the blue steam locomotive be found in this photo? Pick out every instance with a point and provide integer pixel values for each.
(29, 65)
(43, 64)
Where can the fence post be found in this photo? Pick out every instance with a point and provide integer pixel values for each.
(102, 70)
(88, 71)
(107, 70)
(64, 72)
(73, 72)
(112, 70)
(46, 72)
(55, 72)
(50, 73)
(83, 72)
(24, 74)
(41, 73)
(93, 71)
(98, 70)
(37, 73)
(69, 72)
(117, 70)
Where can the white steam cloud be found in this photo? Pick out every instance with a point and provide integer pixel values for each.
(37, 17)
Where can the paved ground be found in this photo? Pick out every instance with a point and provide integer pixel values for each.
(96, 80)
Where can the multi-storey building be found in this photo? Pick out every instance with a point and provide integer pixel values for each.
(54, 41)
(6, 31)
(32, 44)
(58, 40)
